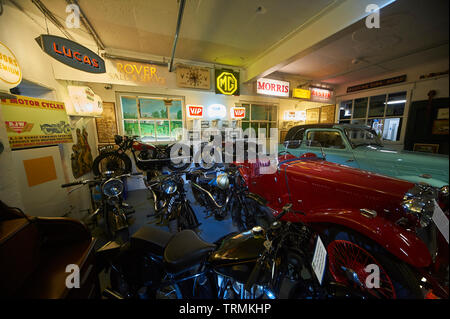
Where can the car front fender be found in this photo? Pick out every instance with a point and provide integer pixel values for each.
(403, 244)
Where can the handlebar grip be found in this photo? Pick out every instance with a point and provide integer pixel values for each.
(254, 275)
(71, 184)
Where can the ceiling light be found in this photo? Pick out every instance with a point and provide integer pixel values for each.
(396, 102)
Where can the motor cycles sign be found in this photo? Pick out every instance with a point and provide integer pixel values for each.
(71, 53)
(32, 122)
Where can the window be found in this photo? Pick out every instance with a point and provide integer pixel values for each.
(326, 139)
(259, 116)
(152, 118)
(383, 113)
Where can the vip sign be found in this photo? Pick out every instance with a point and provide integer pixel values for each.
(10, 73)
(238, 113)
(227, 82)
(194, 111)
(272, 87)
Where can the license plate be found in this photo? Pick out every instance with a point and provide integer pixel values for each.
(319, 260)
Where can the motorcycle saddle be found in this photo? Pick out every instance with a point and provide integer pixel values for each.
(150, 239)
(185, 250)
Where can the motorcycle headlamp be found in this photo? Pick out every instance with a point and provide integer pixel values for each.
(419, 201)
(113, 187)
(169, 187)
(223, 181)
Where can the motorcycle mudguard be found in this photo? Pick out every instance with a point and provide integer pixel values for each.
(403, 244)
(260, 200)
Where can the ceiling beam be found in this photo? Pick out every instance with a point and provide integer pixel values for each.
(334, 18)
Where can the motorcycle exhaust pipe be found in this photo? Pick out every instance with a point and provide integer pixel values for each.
(111, 294)
(207, 193)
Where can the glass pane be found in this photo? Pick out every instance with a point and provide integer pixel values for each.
(148, 130)
(176, 112)
(376, 105)
(359, 121)
(162, 131)
(131, 128)
(376, 125)
(247, 111)
(153, 108)
(244, 126)
(360, 108)
(345, 110)
(272, 113)
(396, 104)
(259, 113)
(176, 132)
(254, 126)
(392, 129)
(129, 108)
(326, 139)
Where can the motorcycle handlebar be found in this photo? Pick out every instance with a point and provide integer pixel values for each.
(71, 184)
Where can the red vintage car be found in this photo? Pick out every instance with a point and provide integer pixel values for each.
(363, 218)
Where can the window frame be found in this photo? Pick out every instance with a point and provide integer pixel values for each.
(343, 138)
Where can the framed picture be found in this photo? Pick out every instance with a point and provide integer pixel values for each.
(313, 115)
(426, 148)
(440, 127)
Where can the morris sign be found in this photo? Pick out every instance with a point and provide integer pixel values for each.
(272, 87)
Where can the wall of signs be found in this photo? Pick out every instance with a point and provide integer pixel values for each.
(32, 122)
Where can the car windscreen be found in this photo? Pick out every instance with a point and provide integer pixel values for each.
(360, 137)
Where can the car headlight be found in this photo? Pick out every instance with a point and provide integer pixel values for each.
(113, 187)
(222, 181)
(419, 201)
(169, 187)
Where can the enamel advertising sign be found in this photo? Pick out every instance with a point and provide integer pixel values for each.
(194, 111)
(32, 122)
(10, 72)
(71, 53)
(238, 113)
(272, 87)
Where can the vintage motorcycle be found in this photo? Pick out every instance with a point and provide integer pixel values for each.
(170, 202)
(256, 264)
(111, 208)
(147, 157)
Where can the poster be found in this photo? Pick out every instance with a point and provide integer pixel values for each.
(327, 114)
(107, 125)
(32, 122)
(81, 157)
(313, 115)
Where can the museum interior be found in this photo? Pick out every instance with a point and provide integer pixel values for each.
(226, 150)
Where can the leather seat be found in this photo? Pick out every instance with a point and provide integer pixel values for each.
(184, 250)
(151, 239)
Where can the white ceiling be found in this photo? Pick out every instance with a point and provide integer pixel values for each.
(412, 32)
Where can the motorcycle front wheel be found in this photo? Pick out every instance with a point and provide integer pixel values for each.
(119, 163)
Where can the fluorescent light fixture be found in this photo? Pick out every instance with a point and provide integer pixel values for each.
(396, 102)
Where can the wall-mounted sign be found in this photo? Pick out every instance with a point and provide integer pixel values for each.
(301, 93)
(313, 115)
(106, 125)
(272, 87)
(10, 72)
(375, 84)
(34, 122)
(294, 116)
(327, 113)
(71, 53)
(216, 111)
(204, 124)
(194, 111)
(193, 77)
(227, 82)
(319, 94)
(85, 101)
(238, 113)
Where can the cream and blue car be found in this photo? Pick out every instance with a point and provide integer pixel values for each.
(358, 146)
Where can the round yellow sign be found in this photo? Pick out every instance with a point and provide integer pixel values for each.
(10, 73)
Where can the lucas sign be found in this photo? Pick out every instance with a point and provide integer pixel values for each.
(194, 111)
(272, 87)
(227, 82)
(71, 53)
(10, 73)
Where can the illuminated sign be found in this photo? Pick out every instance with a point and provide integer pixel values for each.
(301, 93)
(85, 101)
(10, 73)
(272, 87)
(216, 111)
(71, 53)
(194, 111)
(227, 82)
(320, 94)
(238, 112)
(294, 116)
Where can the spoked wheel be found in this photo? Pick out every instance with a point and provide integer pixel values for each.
(117, 163)
(347, 265)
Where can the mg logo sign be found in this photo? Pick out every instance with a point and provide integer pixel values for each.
(227, 82)
(194, 111)
(238, 112)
